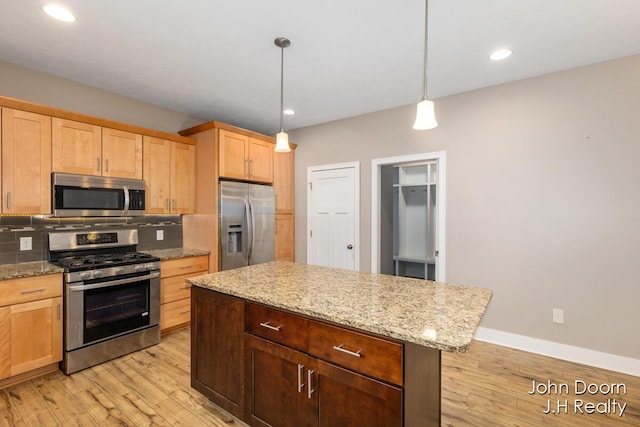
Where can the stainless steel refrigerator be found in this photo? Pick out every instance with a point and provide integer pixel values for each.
(247, 224)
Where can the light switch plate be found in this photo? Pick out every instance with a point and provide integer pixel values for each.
(26, 244)
(159, 234)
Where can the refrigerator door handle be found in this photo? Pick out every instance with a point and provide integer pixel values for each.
(247, 219)
(253, 231)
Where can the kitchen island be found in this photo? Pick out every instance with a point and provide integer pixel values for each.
(293, 344)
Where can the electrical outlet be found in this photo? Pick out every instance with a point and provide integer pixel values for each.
(26, 244)
(558, 315)
(159, 234)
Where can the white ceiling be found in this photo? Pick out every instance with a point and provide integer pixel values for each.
(216, 60)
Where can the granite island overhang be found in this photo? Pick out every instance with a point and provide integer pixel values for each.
(422, 317)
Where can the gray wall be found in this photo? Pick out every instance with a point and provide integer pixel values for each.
(543, 205)
(33, 86)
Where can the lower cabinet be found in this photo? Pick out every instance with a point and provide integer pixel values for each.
(290, 388)
(217, 348)
(31, 325)
(175, 295)
(275, 368)
(278, 383)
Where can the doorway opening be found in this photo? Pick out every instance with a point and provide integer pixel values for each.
(408, 216)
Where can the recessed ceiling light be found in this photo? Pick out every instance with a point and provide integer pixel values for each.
(500, 54)
(58, 12)
(289, 112)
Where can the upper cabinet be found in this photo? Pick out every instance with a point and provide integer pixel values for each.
(76, 147)
(86, 149)
(283, 179)
(121, 154)
(244, 157)
(26, 162)
(169, 174)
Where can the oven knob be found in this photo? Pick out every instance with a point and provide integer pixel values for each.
(98, 273)
(119, 270)
(85, 275)
(138, 268)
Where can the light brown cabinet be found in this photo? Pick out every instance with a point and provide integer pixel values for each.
(283, 182)
(31, 321)
(285, 237)
(87, 149)
(26, 162)
(121, 154)
(244, 157)
(169, 174)
(175, 293)
(76, 147)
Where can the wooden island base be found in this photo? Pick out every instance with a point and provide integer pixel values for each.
(269, 366)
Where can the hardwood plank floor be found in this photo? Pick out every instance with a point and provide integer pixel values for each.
(487, 386)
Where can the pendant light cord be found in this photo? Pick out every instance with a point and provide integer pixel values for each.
(426, 46)
(281, 88)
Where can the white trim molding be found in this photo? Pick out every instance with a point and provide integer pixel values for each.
(585, 356)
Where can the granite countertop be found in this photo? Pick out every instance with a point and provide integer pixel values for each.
(432, 314)
(175, 253)
(28, 269)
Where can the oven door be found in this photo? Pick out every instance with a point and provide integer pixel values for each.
(101, 309)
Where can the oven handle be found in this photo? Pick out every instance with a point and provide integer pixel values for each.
(113, 282)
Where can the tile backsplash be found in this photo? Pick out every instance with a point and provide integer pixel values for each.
(12, 228)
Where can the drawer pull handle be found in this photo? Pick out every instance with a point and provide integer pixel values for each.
(349, 352)
(186, 266)
(309, 389)
(185, 312)
(31, 291)
(186, 287)
(300, 383)
(269, 326)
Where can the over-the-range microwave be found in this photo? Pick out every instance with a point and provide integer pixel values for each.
(85, 195)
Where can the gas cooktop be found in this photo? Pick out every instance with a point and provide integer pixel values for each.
(93, 261)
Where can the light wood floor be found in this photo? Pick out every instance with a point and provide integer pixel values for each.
(488, 386)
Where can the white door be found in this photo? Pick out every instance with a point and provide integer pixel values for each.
(333, 215)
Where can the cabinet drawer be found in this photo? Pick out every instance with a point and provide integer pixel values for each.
(174, 267)
(175, 287)
(369, 355)
(275, 325)
(14, 291)
(175, 313)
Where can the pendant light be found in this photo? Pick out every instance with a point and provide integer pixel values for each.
(425, 114)
(282, 139)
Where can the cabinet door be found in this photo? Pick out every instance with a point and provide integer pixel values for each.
(121, 154)
(217, 348)
(36, 334)
(285, 237)
(5, 342)
(157, 164)
(233, 155)
(183, 178)
(260, 160)
(76, 147)
(283, 179)
(348, 399)
(26, 162)
(278, 381)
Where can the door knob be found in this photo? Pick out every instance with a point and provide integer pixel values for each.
(349, 246)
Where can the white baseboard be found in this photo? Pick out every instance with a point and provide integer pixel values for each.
(612, 362)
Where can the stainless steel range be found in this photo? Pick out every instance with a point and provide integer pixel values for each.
(111, 295)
